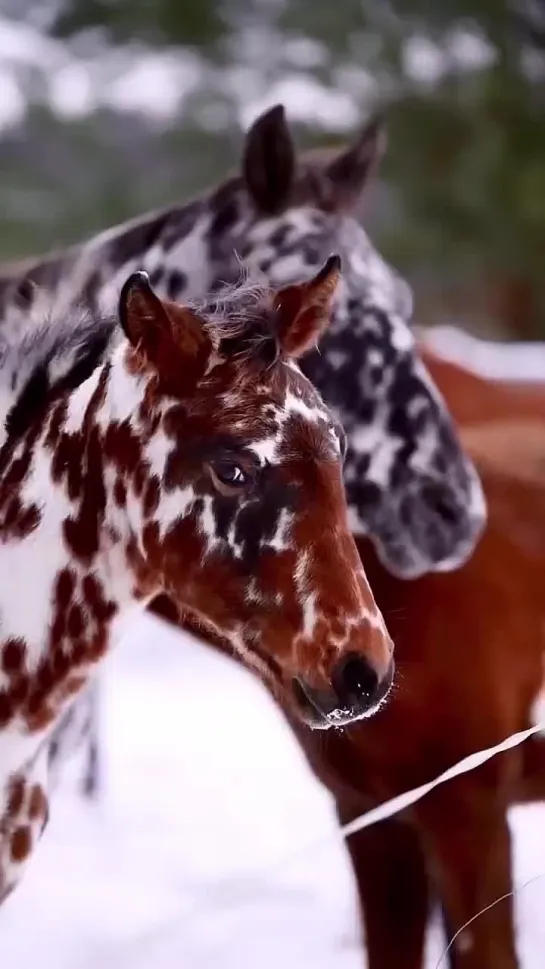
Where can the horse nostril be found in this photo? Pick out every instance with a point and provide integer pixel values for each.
(444, 505)
(355, 680)
(447, 511)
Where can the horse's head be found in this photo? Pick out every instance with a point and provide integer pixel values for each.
(410, 485)
(236, 506)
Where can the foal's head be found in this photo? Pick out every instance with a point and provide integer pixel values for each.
(410, 485)
(236, 504)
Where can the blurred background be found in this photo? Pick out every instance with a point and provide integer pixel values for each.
(111, 107)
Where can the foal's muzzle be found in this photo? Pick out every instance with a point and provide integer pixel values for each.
(356, 691)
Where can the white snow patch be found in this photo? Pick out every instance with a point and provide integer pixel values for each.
(499, 361)
(180, 863)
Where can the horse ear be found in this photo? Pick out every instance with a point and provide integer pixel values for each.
(350, 171)
(25, 292)
(156, 328)
(303, 310)
(268, 163)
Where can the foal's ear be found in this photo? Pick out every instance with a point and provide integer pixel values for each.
(160, 331)
(268, 162)
(350, 171)
(303, 310)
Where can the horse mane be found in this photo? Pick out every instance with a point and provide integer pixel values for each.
(51, 357)
(242, 317)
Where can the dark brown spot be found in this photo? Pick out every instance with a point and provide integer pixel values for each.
(35, 700)
(45, 676)
(56, 420)
(76, 622)
(58, 627)
(18, 520)
(79, 651)
(19, 690)
(61, 662)
(122, 447)
(15, 797)
(151, 496)
(13, 656)
(140, 478)
(92, 591)
(100, 608)
(166, 609)
(81, 532)
(120, 493)
(6, 708)
(21, 844)
(28, 521)
(67, 465)
(37, 807)
(64, 588)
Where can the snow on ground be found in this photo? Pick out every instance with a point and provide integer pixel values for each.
(182, 864)
(510, 361)
(205, 788)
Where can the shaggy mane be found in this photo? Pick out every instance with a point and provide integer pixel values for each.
(242, 315)
(51, 357)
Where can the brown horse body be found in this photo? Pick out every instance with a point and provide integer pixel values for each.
(470, 647)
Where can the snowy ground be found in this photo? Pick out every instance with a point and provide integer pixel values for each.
(184, 863)
(510, 361)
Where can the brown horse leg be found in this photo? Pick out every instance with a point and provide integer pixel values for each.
(465, 831)
(531, 784)
(393, 890)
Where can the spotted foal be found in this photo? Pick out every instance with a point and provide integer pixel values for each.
(195, 459)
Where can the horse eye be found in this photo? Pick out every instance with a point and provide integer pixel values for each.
(229, 474)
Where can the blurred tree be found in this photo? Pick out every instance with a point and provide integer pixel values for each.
(462, 81)
(150, 21)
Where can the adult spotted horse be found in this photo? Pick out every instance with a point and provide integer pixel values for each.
(410, 486)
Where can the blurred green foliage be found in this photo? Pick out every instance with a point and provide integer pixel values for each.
(151, 21)
(461, 206)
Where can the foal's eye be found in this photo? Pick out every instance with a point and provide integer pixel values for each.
(228, 476)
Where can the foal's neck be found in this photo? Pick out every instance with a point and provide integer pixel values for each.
(64, 578)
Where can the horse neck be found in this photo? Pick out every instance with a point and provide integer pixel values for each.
(64, 577)
(173, 246)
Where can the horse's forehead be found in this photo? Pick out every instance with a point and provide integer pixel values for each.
(298, 412)
(301, 396)
(276, 413)
(300, 234)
